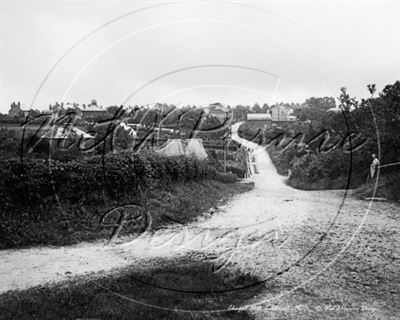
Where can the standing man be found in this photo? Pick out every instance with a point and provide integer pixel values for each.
(374, 165)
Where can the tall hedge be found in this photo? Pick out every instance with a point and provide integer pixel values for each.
(36, 180)
(39, 194)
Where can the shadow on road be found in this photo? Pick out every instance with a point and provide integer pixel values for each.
(179, 284)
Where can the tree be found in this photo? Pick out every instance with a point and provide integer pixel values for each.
(239, 113)
(314, 109)
(112, 109)
(386, 109)
(265, 108)
(256, 108)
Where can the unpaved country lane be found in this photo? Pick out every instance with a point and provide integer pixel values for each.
(341, 259)
(320, 254)
(266, 213)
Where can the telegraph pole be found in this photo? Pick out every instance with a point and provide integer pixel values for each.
(225, 145)
(224, 156)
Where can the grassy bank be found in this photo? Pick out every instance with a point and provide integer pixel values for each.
(64, 203)
(71, 223)
(308, 170)
(181, 284)
(281, 164)
(388, 184)
(308, 178)
(388, 187)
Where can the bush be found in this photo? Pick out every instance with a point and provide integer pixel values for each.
(9, 144)
(339, 145)
(234, 165)
(237, 171)
(321, 171)
(36, 180)
(42, 192)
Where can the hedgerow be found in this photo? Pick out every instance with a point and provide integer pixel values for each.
(35, 180)
(40, 194)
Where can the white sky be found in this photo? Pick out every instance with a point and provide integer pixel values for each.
(195, 52)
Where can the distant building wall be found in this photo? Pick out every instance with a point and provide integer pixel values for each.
(219, 114)
(281, 113)
(91, 110)
(259, 116)
(258, 124)
(16, 111)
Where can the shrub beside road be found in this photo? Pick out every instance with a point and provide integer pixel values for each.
(51, 202)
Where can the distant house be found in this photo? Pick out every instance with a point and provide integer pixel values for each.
(218, 111)
(91, 110)
(16, 111)
(281, 113)
(57, 108)
(258, 121)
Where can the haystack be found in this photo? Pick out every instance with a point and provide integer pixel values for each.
(191, 148)
(194, 148)
(173, 147)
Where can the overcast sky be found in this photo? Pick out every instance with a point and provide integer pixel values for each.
(195, 52)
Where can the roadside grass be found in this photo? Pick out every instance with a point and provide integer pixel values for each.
(279, 163)
(184, 202)
(71, 223)
(388, 187)
(322, 184)
(174, 284)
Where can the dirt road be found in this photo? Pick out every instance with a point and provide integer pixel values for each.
(266, 211)
(320, 254)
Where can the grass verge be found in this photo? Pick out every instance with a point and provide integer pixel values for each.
(388, 187)
(71, 223)
(282, 165)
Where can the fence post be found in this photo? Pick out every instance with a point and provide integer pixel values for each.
(224, 155)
